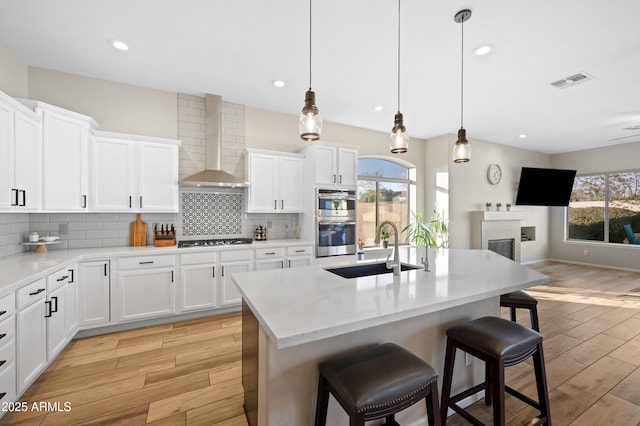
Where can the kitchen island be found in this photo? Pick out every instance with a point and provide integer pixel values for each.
(295, 318)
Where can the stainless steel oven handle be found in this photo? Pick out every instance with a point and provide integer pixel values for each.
(337, 222)
(336, 197)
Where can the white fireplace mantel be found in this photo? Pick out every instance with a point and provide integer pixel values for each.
(502, 215)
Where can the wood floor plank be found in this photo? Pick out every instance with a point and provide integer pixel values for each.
(221, 359)
(109, 354)
(609, 410)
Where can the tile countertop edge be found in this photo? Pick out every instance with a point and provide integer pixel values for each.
(306, 335)
(24, 268)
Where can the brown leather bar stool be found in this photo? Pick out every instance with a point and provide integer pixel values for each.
(499, 343)
(375, 383)
(521, 300)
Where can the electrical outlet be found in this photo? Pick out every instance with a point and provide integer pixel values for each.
(467, 359)
(269, 224)
(63, 228)
(586, 252)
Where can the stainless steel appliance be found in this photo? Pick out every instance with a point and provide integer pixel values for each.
(336, 222)
(213, 242)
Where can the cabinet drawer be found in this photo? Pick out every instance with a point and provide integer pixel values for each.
(8, 383)
(7, 353)
(197, 258)
(7, 330)
(300, 251)
(58, 279)
(267, 253)
(234, 255)
(7, 306)
(31, 292)
(146, 262)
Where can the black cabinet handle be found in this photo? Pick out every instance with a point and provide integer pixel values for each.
(282, 204)
(3, 362)
(289, 263)
(340, 178)
(24, 198)
(147, 262)
(130, 201)
(223, 270)
(334, 178)
(3, 335)
(38, 291)
(213, 268)
(171, 276)
(105, 269)
(54, 299)
(282, 264)
(62, 278)
(275, 204)
(84, 201)
(300, 251)
(141, 201)
(71, 279)
(14, 195)
(47, 303)
(271, 252)
(2, 313)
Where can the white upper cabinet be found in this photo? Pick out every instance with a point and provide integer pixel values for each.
(20, 157)
(133, 173)
(65, 140)
(275, 182)
(333, 165)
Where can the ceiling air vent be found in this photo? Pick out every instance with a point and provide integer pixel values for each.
(572, 80)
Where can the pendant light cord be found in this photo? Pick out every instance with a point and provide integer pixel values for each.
(310, 55)
(462, 75)
(398, 55)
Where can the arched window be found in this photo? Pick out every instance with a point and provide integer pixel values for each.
(386, 191)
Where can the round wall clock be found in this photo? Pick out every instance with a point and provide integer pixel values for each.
(494, 174)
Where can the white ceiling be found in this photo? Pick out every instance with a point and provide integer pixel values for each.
(236, 48)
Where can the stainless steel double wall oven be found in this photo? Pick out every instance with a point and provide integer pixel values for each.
(336, 222)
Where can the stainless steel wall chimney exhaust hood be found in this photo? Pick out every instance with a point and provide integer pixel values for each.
(213, 175)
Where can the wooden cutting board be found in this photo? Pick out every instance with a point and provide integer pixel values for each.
(138, 233)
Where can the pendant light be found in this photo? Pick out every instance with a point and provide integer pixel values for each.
(462, 149)
(399, 138)
(310, 123)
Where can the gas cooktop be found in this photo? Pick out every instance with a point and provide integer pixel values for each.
(214, 242)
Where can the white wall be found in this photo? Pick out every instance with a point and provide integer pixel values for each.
(469, 190)
(13, 74)
(115, 106)
(608, 159)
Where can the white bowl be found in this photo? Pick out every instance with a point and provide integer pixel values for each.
(49, 239)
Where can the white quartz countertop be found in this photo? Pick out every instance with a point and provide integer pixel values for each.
(305, 304)
(24, 268)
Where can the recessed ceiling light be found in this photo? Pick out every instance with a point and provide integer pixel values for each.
(378, 108)
(120, 45)
(523, 136)
(278, 83)
(483, 50)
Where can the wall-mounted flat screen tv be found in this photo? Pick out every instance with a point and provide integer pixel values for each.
(545, 187)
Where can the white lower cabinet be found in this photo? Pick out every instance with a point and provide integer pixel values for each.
(230, 263)
(31, 333)
(299, 256)
(197, 288)
(54, 313)
(144, 288)
(269, 258)
(7, 349)
(94, 307)
(71, 320)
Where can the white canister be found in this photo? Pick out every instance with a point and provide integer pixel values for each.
(34, 237)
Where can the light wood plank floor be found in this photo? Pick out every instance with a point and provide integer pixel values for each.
(188, 373)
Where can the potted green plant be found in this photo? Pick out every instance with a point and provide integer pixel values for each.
(426, 234)
(488, 206)
(385, 234)
(508, 207)
(498, 206)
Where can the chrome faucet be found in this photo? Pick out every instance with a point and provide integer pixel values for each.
(396, 253)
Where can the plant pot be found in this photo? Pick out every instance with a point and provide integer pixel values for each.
(488, 208)
(508, 208)
(384, 243)
(498, 209)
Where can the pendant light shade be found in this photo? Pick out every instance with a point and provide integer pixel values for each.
(462, 149)
(399, 137)
(310, 122)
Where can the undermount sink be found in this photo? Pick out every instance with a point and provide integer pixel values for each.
(367, 269)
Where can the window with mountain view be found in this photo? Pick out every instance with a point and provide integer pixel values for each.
(602, 204)
(386, 191)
